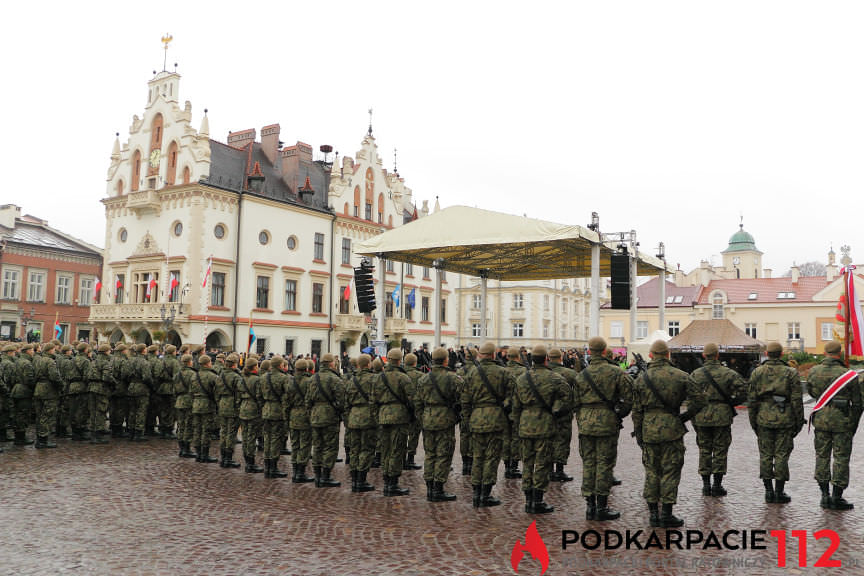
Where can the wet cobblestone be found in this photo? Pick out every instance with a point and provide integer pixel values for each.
(137, 509)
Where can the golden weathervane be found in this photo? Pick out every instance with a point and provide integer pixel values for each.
(166, 39)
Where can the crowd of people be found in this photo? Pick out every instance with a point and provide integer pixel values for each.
(510, 405)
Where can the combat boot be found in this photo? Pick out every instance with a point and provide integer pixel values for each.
(205, 455)
(559, 474)
(511, 470)
(603, 510)
(429, 491)
(285, 451)
(180, 449)
(668, 520)
(539, 506)
(825, 502)
(392, 488)
(268, 468)
(654, 514)
(529, 501)
(376, 460)
(274, 469)
(717, 489)
(769, 491)
(353, 480)
(221, 458)
(439, 495)
(43, 442)
(780, 497)
(317, 471)
(251, 467)
(838, 502)
(187, 451)
(615, 481)
(409, 463)
(63, 432)
(97, 439)
(229, 459)
(5, 436)
(706, 485)
(21, 438)
(591, 507)
(138, 436)
(466, 465)
(327, 481)
(299, 476)
(488, 500)
(477, 495)
(362, 484)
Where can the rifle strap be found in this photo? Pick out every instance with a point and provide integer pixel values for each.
(207, 392)
(669, 407)
(536, 392)
(603, 398)
(398, 398)
(726, 398)
(324, 392)
(447, 401)
(498, 399)
(249, 393)
(360, 388)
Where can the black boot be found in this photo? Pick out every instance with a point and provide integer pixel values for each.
(838, 502)
(327, 481)
(21, 438)
(354, 481)
(769, 491)
(654, 514)
(394, 489)
(362, 484)
(221, 458)
(63, 432)
(300, 476)
(376, 460)
(285, 451)
(205, 455)
(180, 449)
(409, 463)
(706, 485)
(251, 467)
(97, 439)
(560, 475)
(717, 489)
(477, 495)
(229, 459)
(668, 520)
(317, 471)
(780, 497)
(268, 468)
(439, 495)
(591, 507)
(529, 501)
(429, 491)
(825, 502)
(603, 510)
(488, 500)
(540, 507)
(466, 465)
(187, 451)
(511, 469)
(43, 442)
(198, 452)
(138, 436)
(259, 444)
(615, 481)
(4, 436)
(274, 469)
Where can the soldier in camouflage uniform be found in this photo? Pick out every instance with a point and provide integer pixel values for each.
(776, 410)
(76, 373)
(298, 420)
(414, 428)
(538, 399)
(274, 385)
(436, 404)
(464, 425)
(63, 359)
(395, 412)
(137, 374)
(835, 425)
(7, 381)
(564, 423)
(22, 393)
(658, 425)
(165, 392)
(227, 399)
(511, 448)
(250, 413)
(361, 424)
(99, 385)
(603, 396)
(156, 369)
(486, 404)
(325, 395)
(46, 395)
(183, 405)
(203, 408)
(118, 402)
(377, 368)
(723, 389)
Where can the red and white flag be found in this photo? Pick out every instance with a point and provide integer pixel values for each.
(856, 319)
(151, 284)
(207, 273)
(346, 294)
(174, 282)
(98, 286)
(119, 284)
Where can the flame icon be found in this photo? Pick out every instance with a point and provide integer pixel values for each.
(534, 545)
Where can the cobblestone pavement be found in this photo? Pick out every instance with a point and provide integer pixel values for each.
(138, 509)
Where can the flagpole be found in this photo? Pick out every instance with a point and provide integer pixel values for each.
(205, 298)
(847, 345)
(249, 335)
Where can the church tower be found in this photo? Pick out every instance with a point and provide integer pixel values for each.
(741, 259)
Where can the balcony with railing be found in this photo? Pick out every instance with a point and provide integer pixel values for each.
(145, 312)
(349, 322)
(143, 201)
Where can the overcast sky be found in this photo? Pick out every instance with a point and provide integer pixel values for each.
(672, 118)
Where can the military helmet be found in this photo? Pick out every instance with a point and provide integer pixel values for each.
(833, 347)
(439, 354)
(659, 347)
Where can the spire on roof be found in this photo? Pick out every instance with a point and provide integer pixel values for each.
(205, 125)
(370, 122)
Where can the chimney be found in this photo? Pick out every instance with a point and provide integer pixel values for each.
(242, 138)
(292, 158)
(8, 214)
(766, 273)
(270, 141)
(796, 273)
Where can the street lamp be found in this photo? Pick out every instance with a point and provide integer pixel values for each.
(168, 315)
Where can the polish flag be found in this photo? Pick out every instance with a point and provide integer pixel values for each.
(174, 283)
(119, 284)
(98, 285)
(856, 319)
(346, 294)
(150, 285)
(207, 273)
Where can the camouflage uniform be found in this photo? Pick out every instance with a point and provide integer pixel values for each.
(65, 403)
(76, 373)
(119, 401)
(250, 413)
(395, 412)
(536, 418)
(659, 430)
(183, 408)
(46, 396)
(100, 384)
(361, 426)
(227, 387)
(203, 410)
(298, 419)
(274, 385)
(7, 381)
(714, 422)
(137, 374)
(165, 393)
(776, 411)
(414, 428)
(835, 425)
(436, 402)
(487, 411)
(599, 422)
(563, 423)
(511, 447)
(324, 398)
(22, 396)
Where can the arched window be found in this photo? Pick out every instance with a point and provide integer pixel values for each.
(119, 188)
(381, 208)
(156, 133)
(171, 172)
(187, 175)
(356, 202)
(345, 209)
(136, 171)
(370, 192)
(717, 302)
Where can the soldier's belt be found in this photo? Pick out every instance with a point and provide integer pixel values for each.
(492, 404)
(594, 405)
(656, 409)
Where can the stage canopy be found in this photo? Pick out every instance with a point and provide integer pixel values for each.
(728, 337)
(507, 247)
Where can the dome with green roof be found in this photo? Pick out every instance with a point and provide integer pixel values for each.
(741, 241)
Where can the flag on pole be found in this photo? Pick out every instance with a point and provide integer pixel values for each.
(151, 284)
(346, 294)
(173, 283)
(396, 295)
(98, 285)
(856, 319)
(207, 273)
(411, 297)
(119, 284)
(252, 337)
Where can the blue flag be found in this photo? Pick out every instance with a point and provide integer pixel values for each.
(411, 298)
(396, 295)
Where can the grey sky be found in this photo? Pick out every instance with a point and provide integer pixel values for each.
(673, 118)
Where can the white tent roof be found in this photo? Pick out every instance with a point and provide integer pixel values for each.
(472, 240)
